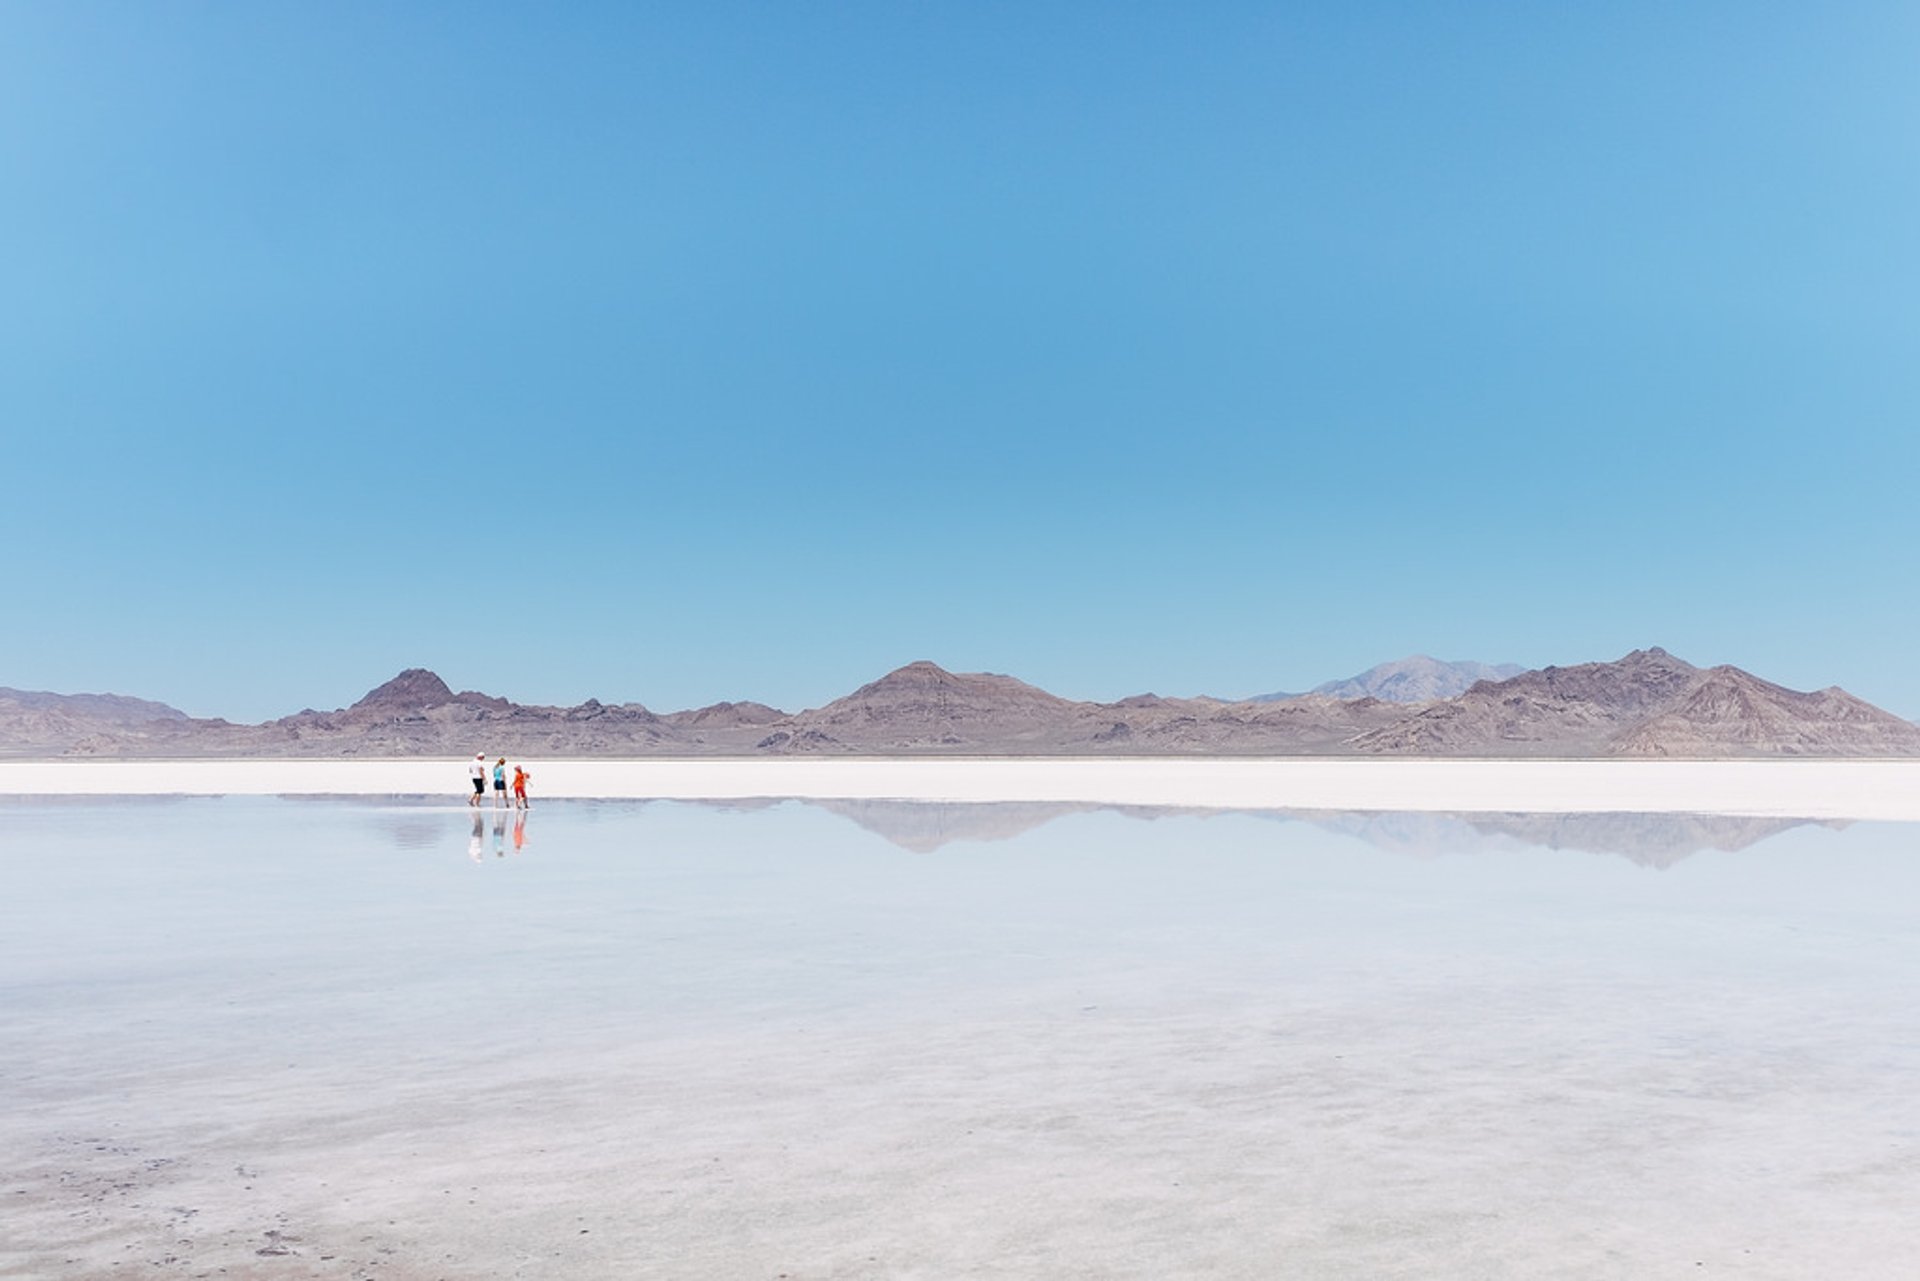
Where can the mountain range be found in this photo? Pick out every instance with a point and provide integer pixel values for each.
(1646, 704)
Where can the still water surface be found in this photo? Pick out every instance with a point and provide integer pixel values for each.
(868, 1039)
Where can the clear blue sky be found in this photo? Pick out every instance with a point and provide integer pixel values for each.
(681, 352)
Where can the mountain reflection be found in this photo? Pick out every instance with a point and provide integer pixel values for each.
(1650, 840)
(925, 827)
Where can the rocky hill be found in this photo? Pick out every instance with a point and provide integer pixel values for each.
(1648, 703)
(923, 707)
(1728, 710)
(1556, 710)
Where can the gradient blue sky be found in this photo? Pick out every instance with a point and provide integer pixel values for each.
(698, 351)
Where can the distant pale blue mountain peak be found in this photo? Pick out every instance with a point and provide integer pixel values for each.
(1416, 679)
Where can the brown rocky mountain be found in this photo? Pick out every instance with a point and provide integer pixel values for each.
(923, 707)
(1648, 703)
(1543, 712)
(414, 689)
(1730, 710)
(726, 716)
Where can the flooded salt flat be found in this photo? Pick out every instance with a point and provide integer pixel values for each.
(852, 1039)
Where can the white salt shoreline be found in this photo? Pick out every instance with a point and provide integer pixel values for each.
(1824, 789)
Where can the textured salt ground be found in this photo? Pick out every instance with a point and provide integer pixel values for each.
(663, 1042)
(1123, 1145)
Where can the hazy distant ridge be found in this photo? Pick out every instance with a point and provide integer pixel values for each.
(1418, 679)
(34, 722)
(1648, 703)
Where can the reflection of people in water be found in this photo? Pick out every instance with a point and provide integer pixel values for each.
(476, 848)
(500, 834)
(520, 831)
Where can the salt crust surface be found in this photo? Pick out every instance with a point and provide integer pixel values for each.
(1883, 789)
(272, 1038)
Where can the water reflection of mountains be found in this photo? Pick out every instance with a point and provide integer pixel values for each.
(923, 827)
(1651, 840)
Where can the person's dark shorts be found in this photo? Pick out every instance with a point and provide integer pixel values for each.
(499, 784)
(479, 787)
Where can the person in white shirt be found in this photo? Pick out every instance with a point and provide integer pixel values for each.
(478, 773)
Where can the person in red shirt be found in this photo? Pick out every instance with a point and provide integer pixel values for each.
(520, 777)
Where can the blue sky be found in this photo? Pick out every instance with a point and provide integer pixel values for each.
(685, 352)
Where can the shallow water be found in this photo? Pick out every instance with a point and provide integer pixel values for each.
(350, 1039)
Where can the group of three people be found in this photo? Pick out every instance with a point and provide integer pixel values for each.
(478, 772)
